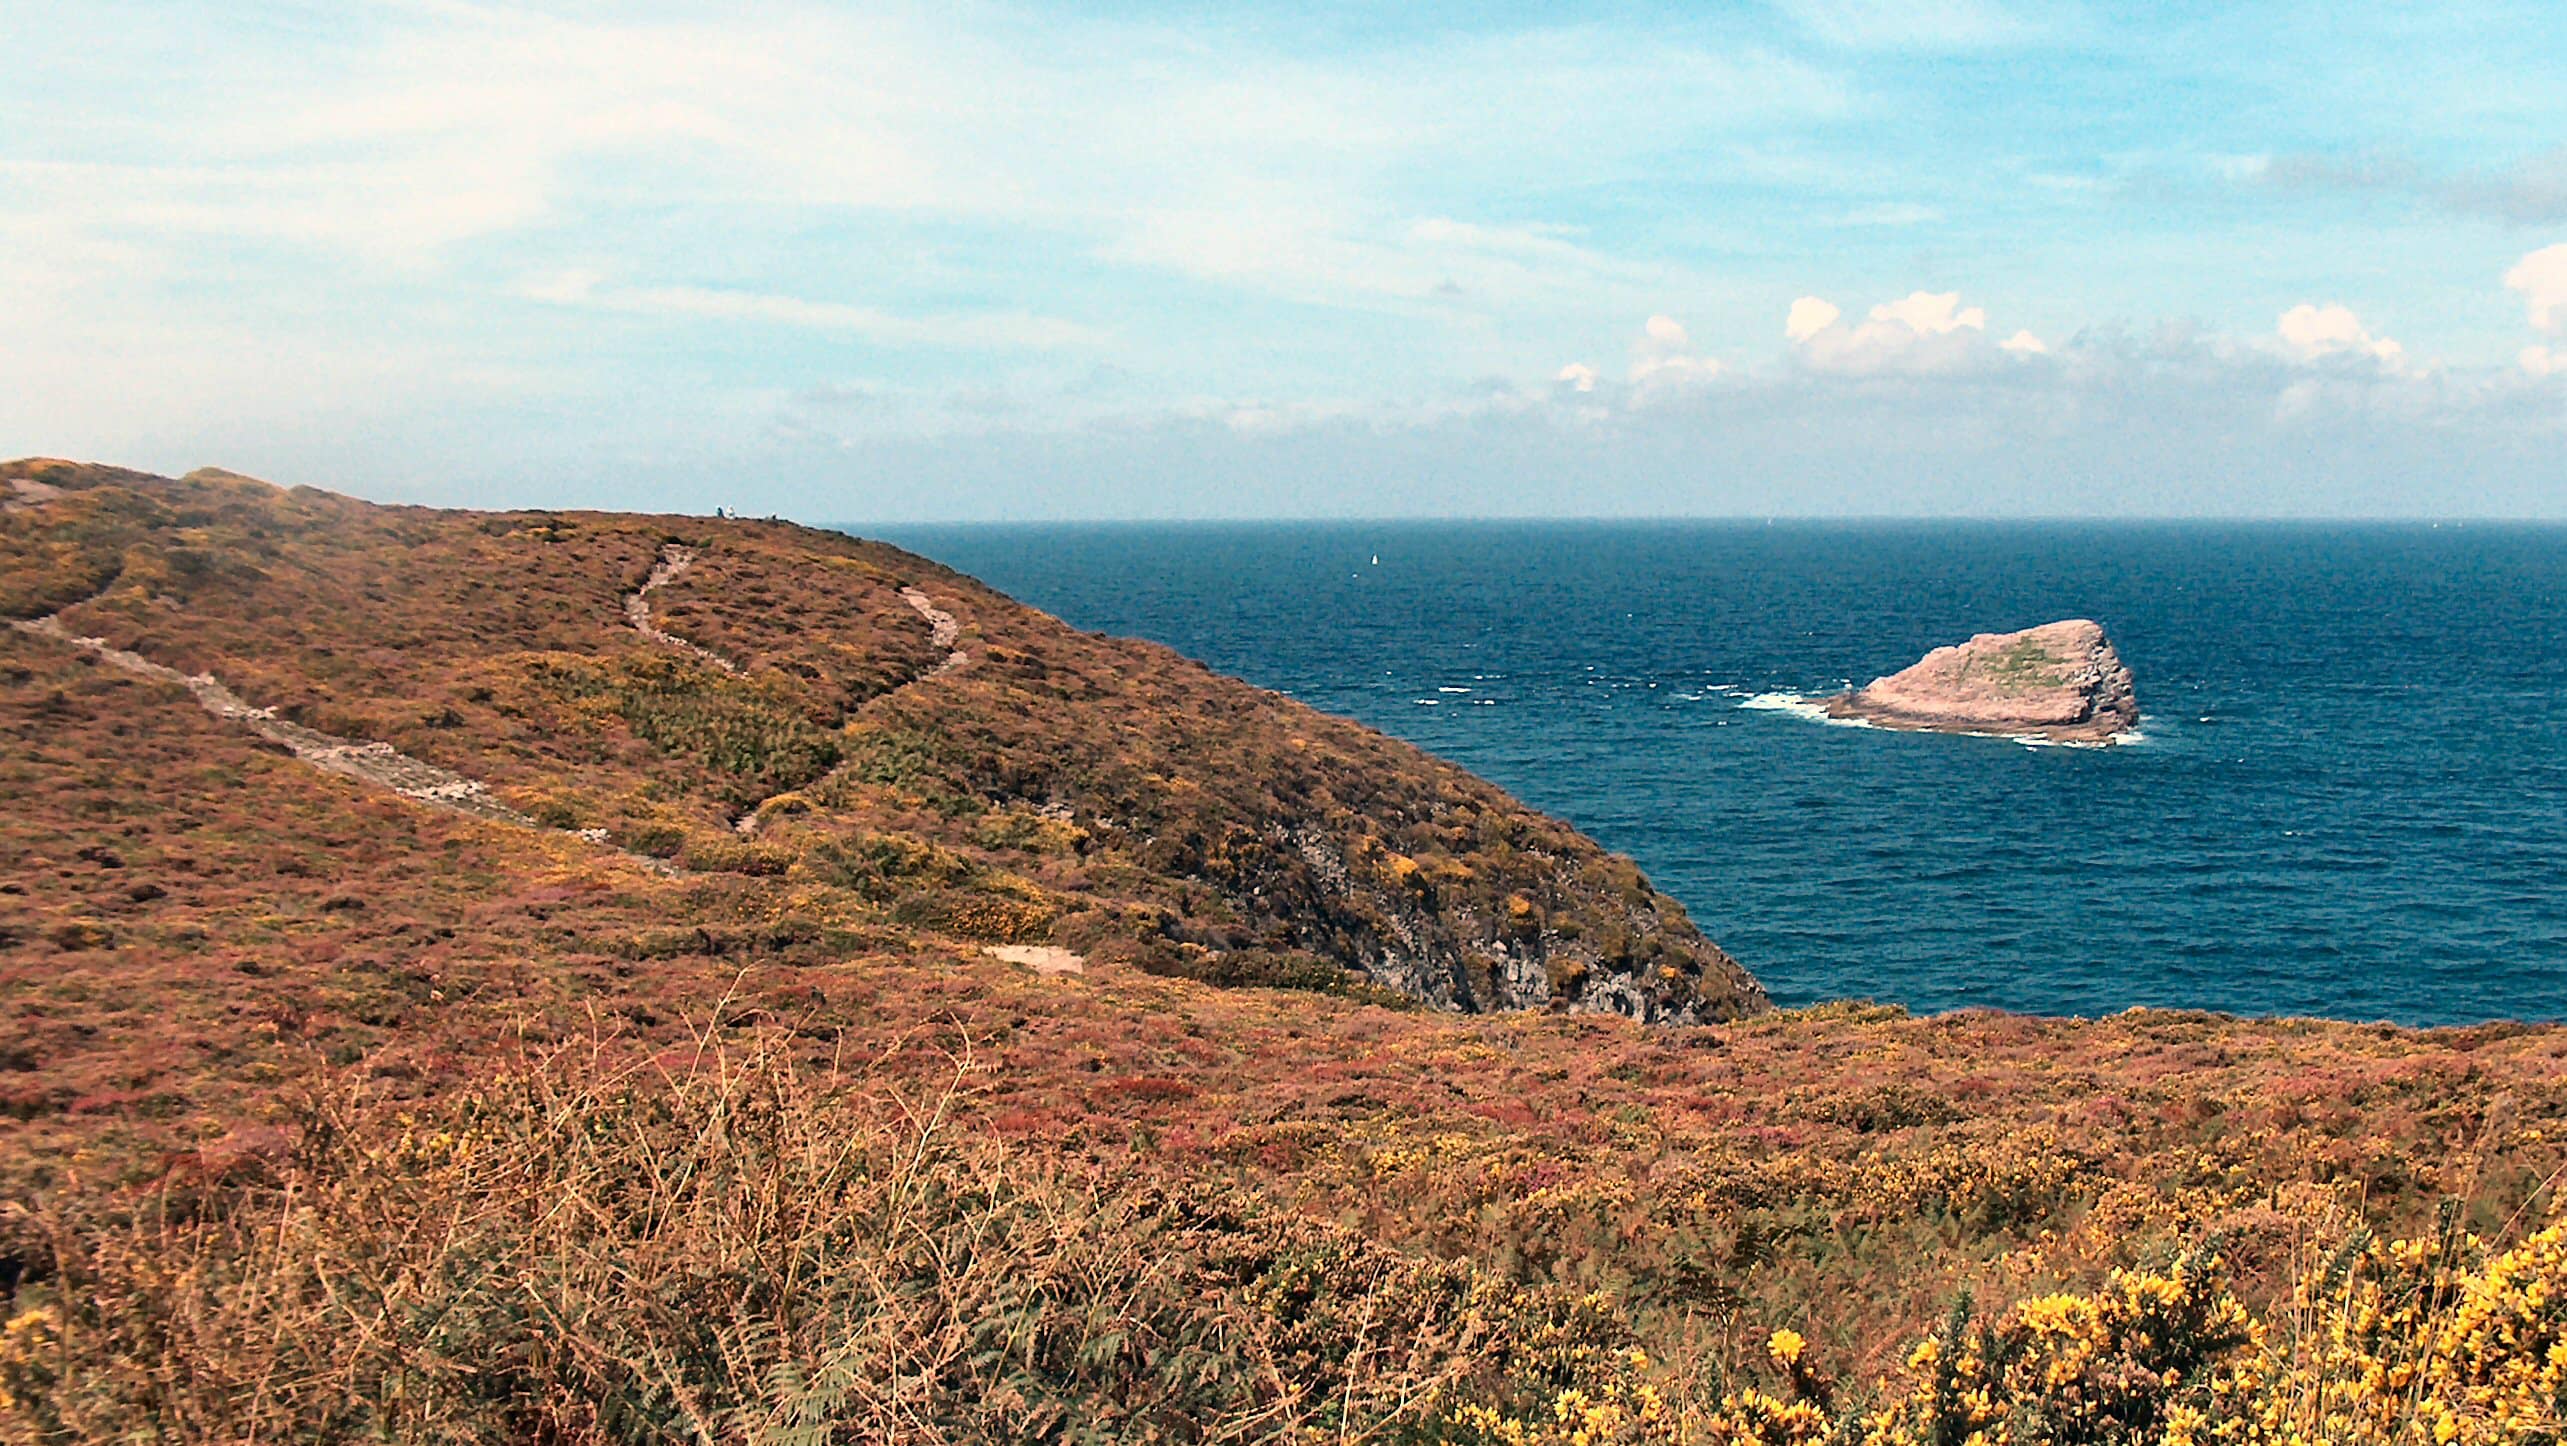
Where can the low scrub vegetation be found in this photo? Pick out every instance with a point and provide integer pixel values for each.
(738, 1248)
(327, 1115)
(742, 1253)
(808, 694)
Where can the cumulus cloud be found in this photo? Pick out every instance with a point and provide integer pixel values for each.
(1921, 333)
(2024, 343)
(2541, 277)
(1665, 364)
(1664, 357)
(2542, 361)
(2319, 333)
(1809, 316)
(2166, 421)
(1932, 313)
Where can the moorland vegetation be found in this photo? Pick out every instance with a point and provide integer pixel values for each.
(692, 1105)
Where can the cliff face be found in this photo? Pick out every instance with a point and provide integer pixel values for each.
(802, 731)
(2061, 681)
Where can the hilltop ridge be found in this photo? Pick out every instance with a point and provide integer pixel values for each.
(848, 737)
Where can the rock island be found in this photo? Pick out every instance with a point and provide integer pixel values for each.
(2061, 681)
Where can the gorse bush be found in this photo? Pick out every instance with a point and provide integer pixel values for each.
(2435, 1339)
(2403, 1343)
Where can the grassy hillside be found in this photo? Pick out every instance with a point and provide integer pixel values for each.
(790, 732)
(666, 1088)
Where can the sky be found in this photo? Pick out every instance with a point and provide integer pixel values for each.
(1142, 259)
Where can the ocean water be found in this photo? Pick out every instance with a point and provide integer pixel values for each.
(2350, 799)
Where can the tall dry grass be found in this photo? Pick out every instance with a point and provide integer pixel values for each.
(739, 1252)
(743, 1249)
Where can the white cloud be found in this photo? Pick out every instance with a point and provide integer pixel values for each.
(2541, 277)
(416, 129)
(1921, 333)
(195, 235)
(1932, 313)
(1664, 358)
(2167, 422)
(1301, 243)
(1809, 316)
(448, 126)
(701, 303)
(2317, 333)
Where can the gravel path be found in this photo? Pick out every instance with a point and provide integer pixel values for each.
(379, 764)
(942, 631)
(1044, 959)
(675, 559)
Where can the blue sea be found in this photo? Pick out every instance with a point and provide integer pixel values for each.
(2350, 799)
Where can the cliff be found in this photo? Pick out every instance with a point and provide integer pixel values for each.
(2061, 681)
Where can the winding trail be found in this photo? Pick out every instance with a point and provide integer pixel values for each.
(942, 631)
(675, 559)
(379, 764)
(383, 766)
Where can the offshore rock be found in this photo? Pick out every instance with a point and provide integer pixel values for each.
(2060, 682)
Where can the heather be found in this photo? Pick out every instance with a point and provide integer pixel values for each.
(678, 1095)
(723, 1245)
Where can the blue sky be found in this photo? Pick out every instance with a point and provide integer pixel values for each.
(1140, 259)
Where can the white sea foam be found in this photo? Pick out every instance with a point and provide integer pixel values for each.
(1802, 705)
(2122, 739)
(1776, 703)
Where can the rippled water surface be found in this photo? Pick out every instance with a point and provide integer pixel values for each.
(2351, 799)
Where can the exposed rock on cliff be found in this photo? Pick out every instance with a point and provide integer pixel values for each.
(2061, 681)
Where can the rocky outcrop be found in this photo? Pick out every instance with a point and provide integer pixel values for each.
(1600, 942)
(2061, 682)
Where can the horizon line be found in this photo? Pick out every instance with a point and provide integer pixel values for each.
(1731, 518)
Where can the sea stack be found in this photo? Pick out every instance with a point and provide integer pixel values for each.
(2060, 681)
